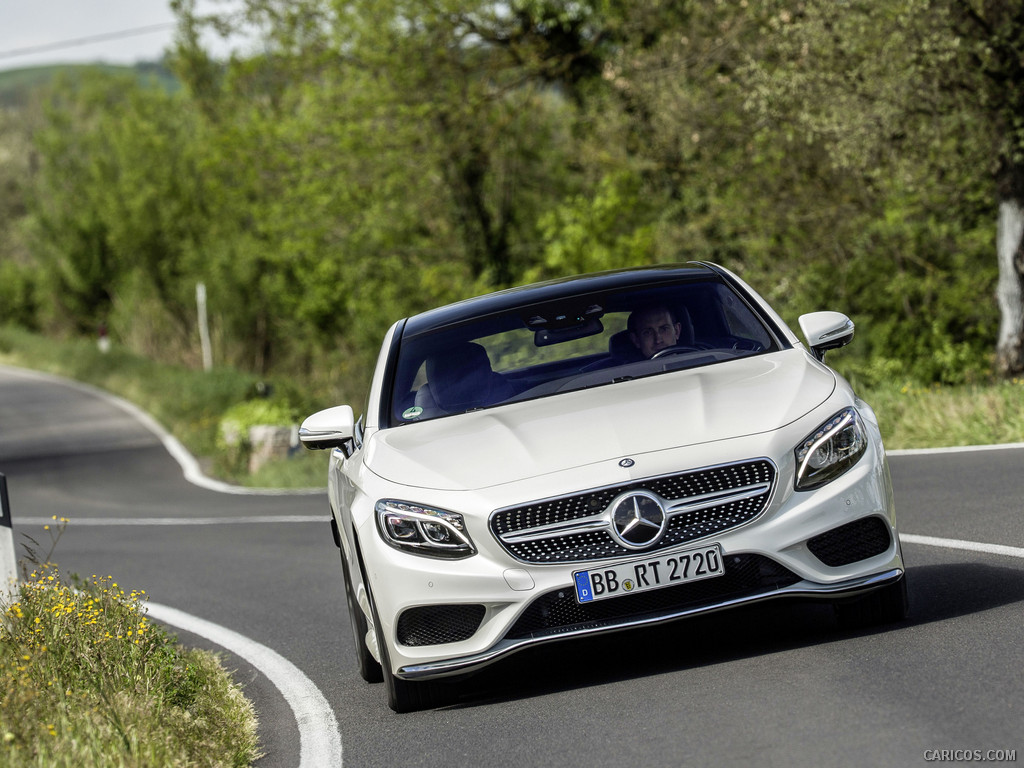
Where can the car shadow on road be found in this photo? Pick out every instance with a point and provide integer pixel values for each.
(949, 590)
(937, 593)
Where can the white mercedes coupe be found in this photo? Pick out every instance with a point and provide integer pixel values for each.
(595, 454)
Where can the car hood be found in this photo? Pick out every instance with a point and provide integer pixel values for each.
(526, 439)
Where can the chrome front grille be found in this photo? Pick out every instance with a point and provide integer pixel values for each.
(577, 528)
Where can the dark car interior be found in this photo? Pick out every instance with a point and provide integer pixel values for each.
(575, 343)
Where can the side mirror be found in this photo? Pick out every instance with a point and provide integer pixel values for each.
(825, 331)
(331, 428)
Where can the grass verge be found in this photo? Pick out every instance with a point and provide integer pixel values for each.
(916, 416)
(86, 680)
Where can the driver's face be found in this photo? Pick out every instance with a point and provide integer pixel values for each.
(655, 331)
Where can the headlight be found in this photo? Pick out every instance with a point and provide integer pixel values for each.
(422, 530)
(830, 450)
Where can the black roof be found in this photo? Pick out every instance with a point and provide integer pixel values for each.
(553, 291)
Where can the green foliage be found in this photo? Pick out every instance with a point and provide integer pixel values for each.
(886, 91)
(610, 230)
(913, 415)
(87, 680)
(19, 87)
(106, 214)
(376, 158)
(19, 303)
(20, 276)
(233, 436)
(262, 411)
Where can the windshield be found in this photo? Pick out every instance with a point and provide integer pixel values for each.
(580, 342)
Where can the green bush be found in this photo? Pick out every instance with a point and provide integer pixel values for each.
(87, 680)
(19, 303)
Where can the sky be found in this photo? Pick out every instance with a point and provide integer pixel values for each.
(38, 32)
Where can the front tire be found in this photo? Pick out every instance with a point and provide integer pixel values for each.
(403, 695)
(369, 668)
(408, 696)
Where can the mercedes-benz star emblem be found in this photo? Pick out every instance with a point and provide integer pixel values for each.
(627, 463)
(638, 519)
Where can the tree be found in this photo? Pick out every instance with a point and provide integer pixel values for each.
(913, 95)
(18, 273)
(373, 159)
(991, 75)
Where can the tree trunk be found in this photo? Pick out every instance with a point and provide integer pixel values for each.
(1010, 290)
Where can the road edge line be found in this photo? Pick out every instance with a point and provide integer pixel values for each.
(954, 449)
(319, 735)
(967, 546)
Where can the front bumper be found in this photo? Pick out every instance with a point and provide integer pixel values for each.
(802, 589)
(504, 605)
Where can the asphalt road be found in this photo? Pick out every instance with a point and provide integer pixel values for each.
(778, 685)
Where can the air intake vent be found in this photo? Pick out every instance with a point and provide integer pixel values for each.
(438, 624)
(852, 542)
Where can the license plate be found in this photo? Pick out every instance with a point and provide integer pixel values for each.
(649, 573)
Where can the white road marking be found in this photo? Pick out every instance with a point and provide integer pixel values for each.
(954, 449)
(319, 736)
(968, 546)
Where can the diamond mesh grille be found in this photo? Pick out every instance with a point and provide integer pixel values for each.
(686, 526)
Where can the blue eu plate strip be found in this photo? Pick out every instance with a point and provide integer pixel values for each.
(583, 591)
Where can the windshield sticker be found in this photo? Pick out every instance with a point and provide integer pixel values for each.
(412, 413)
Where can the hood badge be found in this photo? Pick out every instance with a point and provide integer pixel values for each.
(626, 463)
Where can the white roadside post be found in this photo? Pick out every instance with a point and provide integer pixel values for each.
(8, 564)
(204, 326)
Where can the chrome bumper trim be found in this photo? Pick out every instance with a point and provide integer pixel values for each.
(807, 589)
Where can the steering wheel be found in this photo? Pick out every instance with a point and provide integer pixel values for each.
(677, 349)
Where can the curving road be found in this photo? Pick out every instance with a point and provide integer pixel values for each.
(258, 575)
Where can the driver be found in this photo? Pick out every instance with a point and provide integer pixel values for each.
(654, 329)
